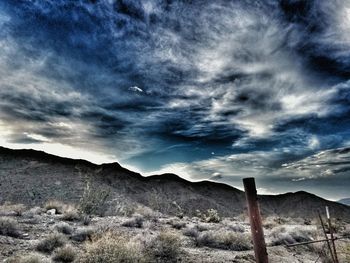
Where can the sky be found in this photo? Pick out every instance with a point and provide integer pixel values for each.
(209, 90)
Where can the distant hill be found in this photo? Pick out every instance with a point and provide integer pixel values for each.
(33, 177)
(345, 201)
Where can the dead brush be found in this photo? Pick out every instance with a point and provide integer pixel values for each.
(166, 247)
(9, 227)
(51, 242)
(93, 200)
(224, 240)
(12, 209)
(30, 258)
(285, 236)
(112, 247)
(65, 254)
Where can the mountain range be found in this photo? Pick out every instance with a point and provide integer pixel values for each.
(34, 177)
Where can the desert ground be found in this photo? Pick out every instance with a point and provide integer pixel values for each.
(61, 232)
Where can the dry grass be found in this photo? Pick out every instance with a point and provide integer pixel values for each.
(64, 228)
(70, 213)
(190, 232)
(55, 204)
(112, 248)
(284, 236)
(224, 240)
(9, 227)
(82, 234)
(177, 224)
(136, 221)
(31, 258)
(12, 209)
(51, 242)
(93, 200)
(65, 254)
(166, 247)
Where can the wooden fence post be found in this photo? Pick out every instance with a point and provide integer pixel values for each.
(332, 236)
(255, 221)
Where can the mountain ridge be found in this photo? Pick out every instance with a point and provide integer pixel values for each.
(48, 177)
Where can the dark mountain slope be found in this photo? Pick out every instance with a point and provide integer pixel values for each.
(33, 177)
(345, 201)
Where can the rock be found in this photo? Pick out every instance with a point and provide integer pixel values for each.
(51, 212)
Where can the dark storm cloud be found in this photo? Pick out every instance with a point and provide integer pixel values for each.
(140, 78)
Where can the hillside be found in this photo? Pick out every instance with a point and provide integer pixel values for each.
(345, 201)
(33, 177)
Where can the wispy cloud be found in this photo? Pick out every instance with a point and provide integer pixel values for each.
(257, 80)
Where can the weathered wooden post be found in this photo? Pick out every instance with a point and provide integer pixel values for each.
(255, 221)
(332, 236)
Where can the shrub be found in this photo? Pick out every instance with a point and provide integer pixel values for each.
(237, 228)
(136, 221)
(284, 236)
(32, 212)
(224, 240)
(71, 214)
(9, 227)
(191, 232)
(64, 228)
(32, 258)
(93, 200)
(51, 242)
(55, 204)
(12, 209)
(65, 254)
(177, 224)
(202, 227)
(112, 248)
(323, 254)
(166, 247)
(83, 234)
(209, 216)
(212, 216)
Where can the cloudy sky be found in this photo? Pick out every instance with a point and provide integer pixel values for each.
(216, 90)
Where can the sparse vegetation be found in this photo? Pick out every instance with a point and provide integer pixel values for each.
(31, 258)
(191, 232)
(177, 224)
(83, 234)
(55, 204)
(32, 213)
(209, 216)
(71, 214)
(9, 227)
(224, 240)
(166, 247)
(284, 235)
(51, 242)
(111, 248)
(12, 209)
(93, 200)
(136, 221)
(65, 254)
(64, 228)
